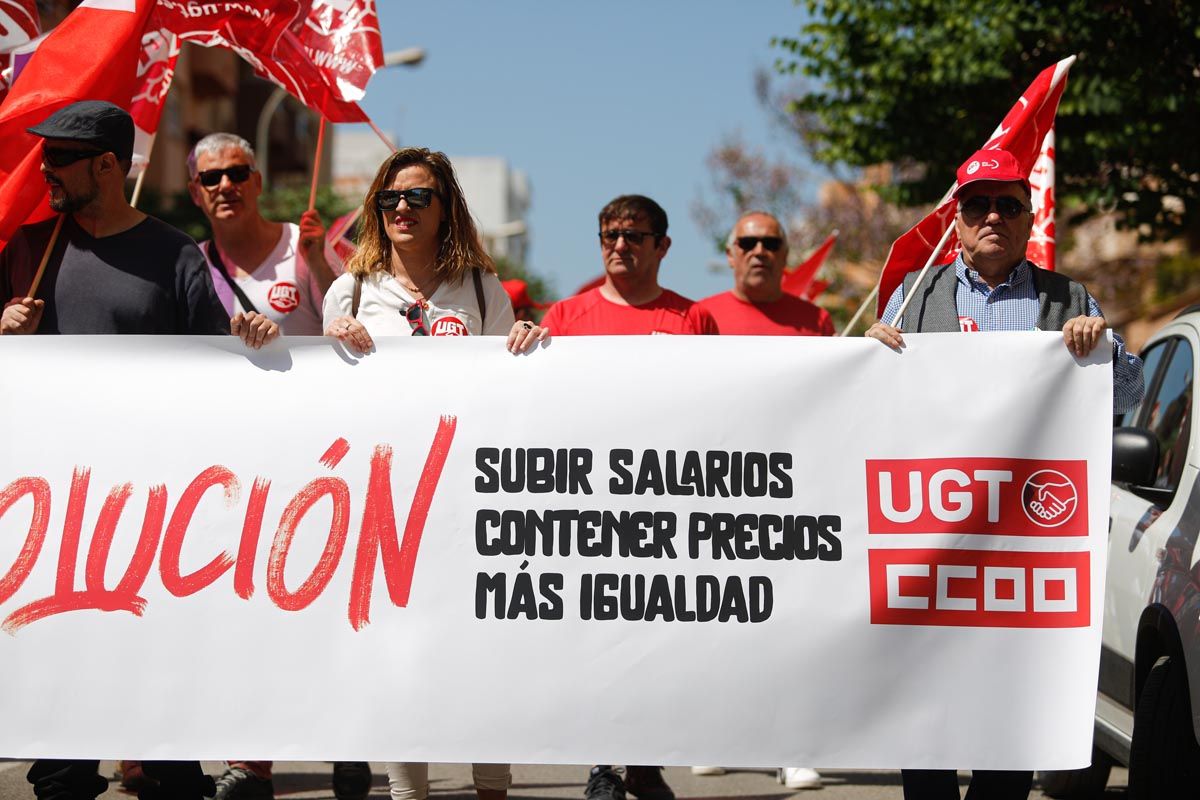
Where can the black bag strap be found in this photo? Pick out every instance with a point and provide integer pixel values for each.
(479, 297)
(357, 298)
(214, 255)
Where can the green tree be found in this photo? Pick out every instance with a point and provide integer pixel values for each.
(922, 83)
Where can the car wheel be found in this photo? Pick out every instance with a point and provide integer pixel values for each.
(1164, 758)
(1078, 784)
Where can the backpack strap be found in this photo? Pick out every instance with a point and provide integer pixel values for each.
(479, 297)
(357, 297)
(214, 255)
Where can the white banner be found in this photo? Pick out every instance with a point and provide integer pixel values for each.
(652, 550)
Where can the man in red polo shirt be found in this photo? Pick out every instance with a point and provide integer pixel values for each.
(633, 242)
(757, 251)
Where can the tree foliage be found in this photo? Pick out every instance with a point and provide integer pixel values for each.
(920, 84)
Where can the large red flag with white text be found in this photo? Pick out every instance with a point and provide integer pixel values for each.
(1041, 182)
(342, 39)
(274, 38)
(799, 280)
(92, 55)
(1021, 133)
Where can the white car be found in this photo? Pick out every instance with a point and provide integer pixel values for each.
(1148, 703)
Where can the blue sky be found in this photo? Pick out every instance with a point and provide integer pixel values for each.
(590, 100)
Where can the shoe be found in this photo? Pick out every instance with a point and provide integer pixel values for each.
(604, 783)
(646, 783)
(242, 784)
(131, 776)
(799, 777)
(708, 770)
(351, 780)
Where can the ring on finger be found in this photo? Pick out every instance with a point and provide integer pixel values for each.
(527, 326)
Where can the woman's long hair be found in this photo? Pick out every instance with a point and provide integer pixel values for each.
(459, 247)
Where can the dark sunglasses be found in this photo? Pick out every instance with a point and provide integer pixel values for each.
(65, 157)
(238, 173)
(389, 199)
(770, 243)
(632, 237)
(413, 313)
(978, 207)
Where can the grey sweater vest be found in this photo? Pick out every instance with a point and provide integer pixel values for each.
(935, 308)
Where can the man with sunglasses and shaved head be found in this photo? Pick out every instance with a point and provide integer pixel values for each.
(261, 269)
(112, 268)
(757, 250)
(991, 286)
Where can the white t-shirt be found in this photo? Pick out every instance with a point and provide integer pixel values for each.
(281, 287)
(453, 310)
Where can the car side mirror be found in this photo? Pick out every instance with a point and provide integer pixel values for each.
(1134, 456)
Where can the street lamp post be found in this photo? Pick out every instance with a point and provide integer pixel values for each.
(408, 57)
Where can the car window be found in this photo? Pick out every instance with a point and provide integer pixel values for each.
(1170, 415)
(1151, 358)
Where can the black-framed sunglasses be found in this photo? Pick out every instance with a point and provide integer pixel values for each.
(389, 199)
(416, 319)
(238, 173)
(632, 237)
(770, 243)
(978, 207)
(59, 157)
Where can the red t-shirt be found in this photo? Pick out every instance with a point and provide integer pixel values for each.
(589, 314)
(787, 316)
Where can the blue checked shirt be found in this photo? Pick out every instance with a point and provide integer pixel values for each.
(1013, 306)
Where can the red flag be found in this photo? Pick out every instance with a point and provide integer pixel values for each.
(92, 55)
(1021, 133)
(19, 24)
(1040, 249)
(156, 68)
(264, 34)
(342, 38)
(798, 279)
(592, 284)
(340, 235)
(814, 290)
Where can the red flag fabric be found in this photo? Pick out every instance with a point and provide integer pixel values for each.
(156, 68)
(592, 284)
(264, 34)
(1020, 133)
(92, 55)
(19, 24)
(1041, 242)
(340, 235)
(798, 280)
(342, 39)
(814, 290)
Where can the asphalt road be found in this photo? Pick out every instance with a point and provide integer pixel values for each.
(453, 782)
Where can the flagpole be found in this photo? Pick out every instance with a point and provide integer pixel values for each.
(937, 250)
(336, 233)
(382, 136)
(312, 193)
(141, 178)
(37, 278)
(854, 320)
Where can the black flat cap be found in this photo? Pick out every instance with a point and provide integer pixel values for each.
(94, 122)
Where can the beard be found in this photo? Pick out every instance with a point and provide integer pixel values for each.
(73, 203)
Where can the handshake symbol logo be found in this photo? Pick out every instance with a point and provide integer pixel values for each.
(1049, 498)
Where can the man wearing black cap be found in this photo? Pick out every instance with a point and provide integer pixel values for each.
(112, 269)
(991, 286)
